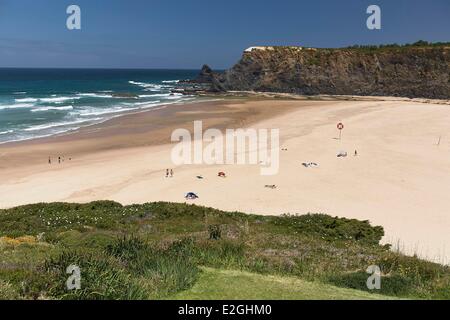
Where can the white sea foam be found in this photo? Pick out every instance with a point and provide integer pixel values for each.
(42, 109)
(58, 99)
(150, 86)
(141, 84)
(156, 95)
(21, 137)
(16, 106)
(26, 100)
(146, 103)
(6, 132)
(100, 112)
(161, 95)
(59, 124)
(170, 81)
(52, 99)
(94, 95)
(177, 96)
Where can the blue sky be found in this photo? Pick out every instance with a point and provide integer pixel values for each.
(189, 33)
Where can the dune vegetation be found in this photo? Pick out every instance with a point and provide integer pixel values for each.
(172, 251)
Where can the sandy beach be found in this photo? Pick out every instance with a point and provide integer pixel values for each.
(398, 180)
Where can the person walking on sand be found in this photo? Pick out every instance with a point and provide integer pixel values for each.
(356, 153)
(167, 173)
(59, 159)
(49, 160)
(171, 173)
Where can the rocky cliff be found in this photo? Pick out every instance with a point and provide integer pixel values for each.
(411, 71)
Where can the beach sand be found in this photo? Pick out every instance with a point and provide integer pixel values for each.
(399, 179)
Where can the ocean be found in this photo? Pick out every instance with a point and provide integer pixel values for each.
(43, 102)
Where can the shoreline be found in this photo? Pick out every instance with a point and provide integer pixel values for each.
(397, 181)
(134, 131)
(222, 97)
(113, 133)
(99, 124)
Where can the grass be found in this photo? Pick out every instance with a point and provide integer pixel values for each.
(240, 285)
(157, 250)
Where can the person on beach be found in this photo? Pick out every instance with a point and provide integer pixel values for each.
(171, 173)
(167, 173)
(49, 160)
(356, 153)
(59, 159)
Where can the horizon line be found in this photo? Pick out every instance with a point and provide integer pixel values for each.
(104, 68)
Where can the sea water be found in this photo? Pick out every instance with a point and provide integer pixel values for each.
(43, 102)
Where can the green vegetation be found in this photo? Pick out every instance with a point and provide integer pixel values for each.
(166, 250)
(231, 284)
(395, 46)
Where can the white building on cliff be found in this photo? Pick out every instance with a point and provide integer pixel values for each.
(269, 48)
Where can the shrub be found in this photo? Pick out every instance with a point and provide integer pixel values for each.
(166, 270)
(221, 253)
(127, 249)
(214, 232)
(58, 217)
(101, 278)
(7, 291)
(331, 229)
